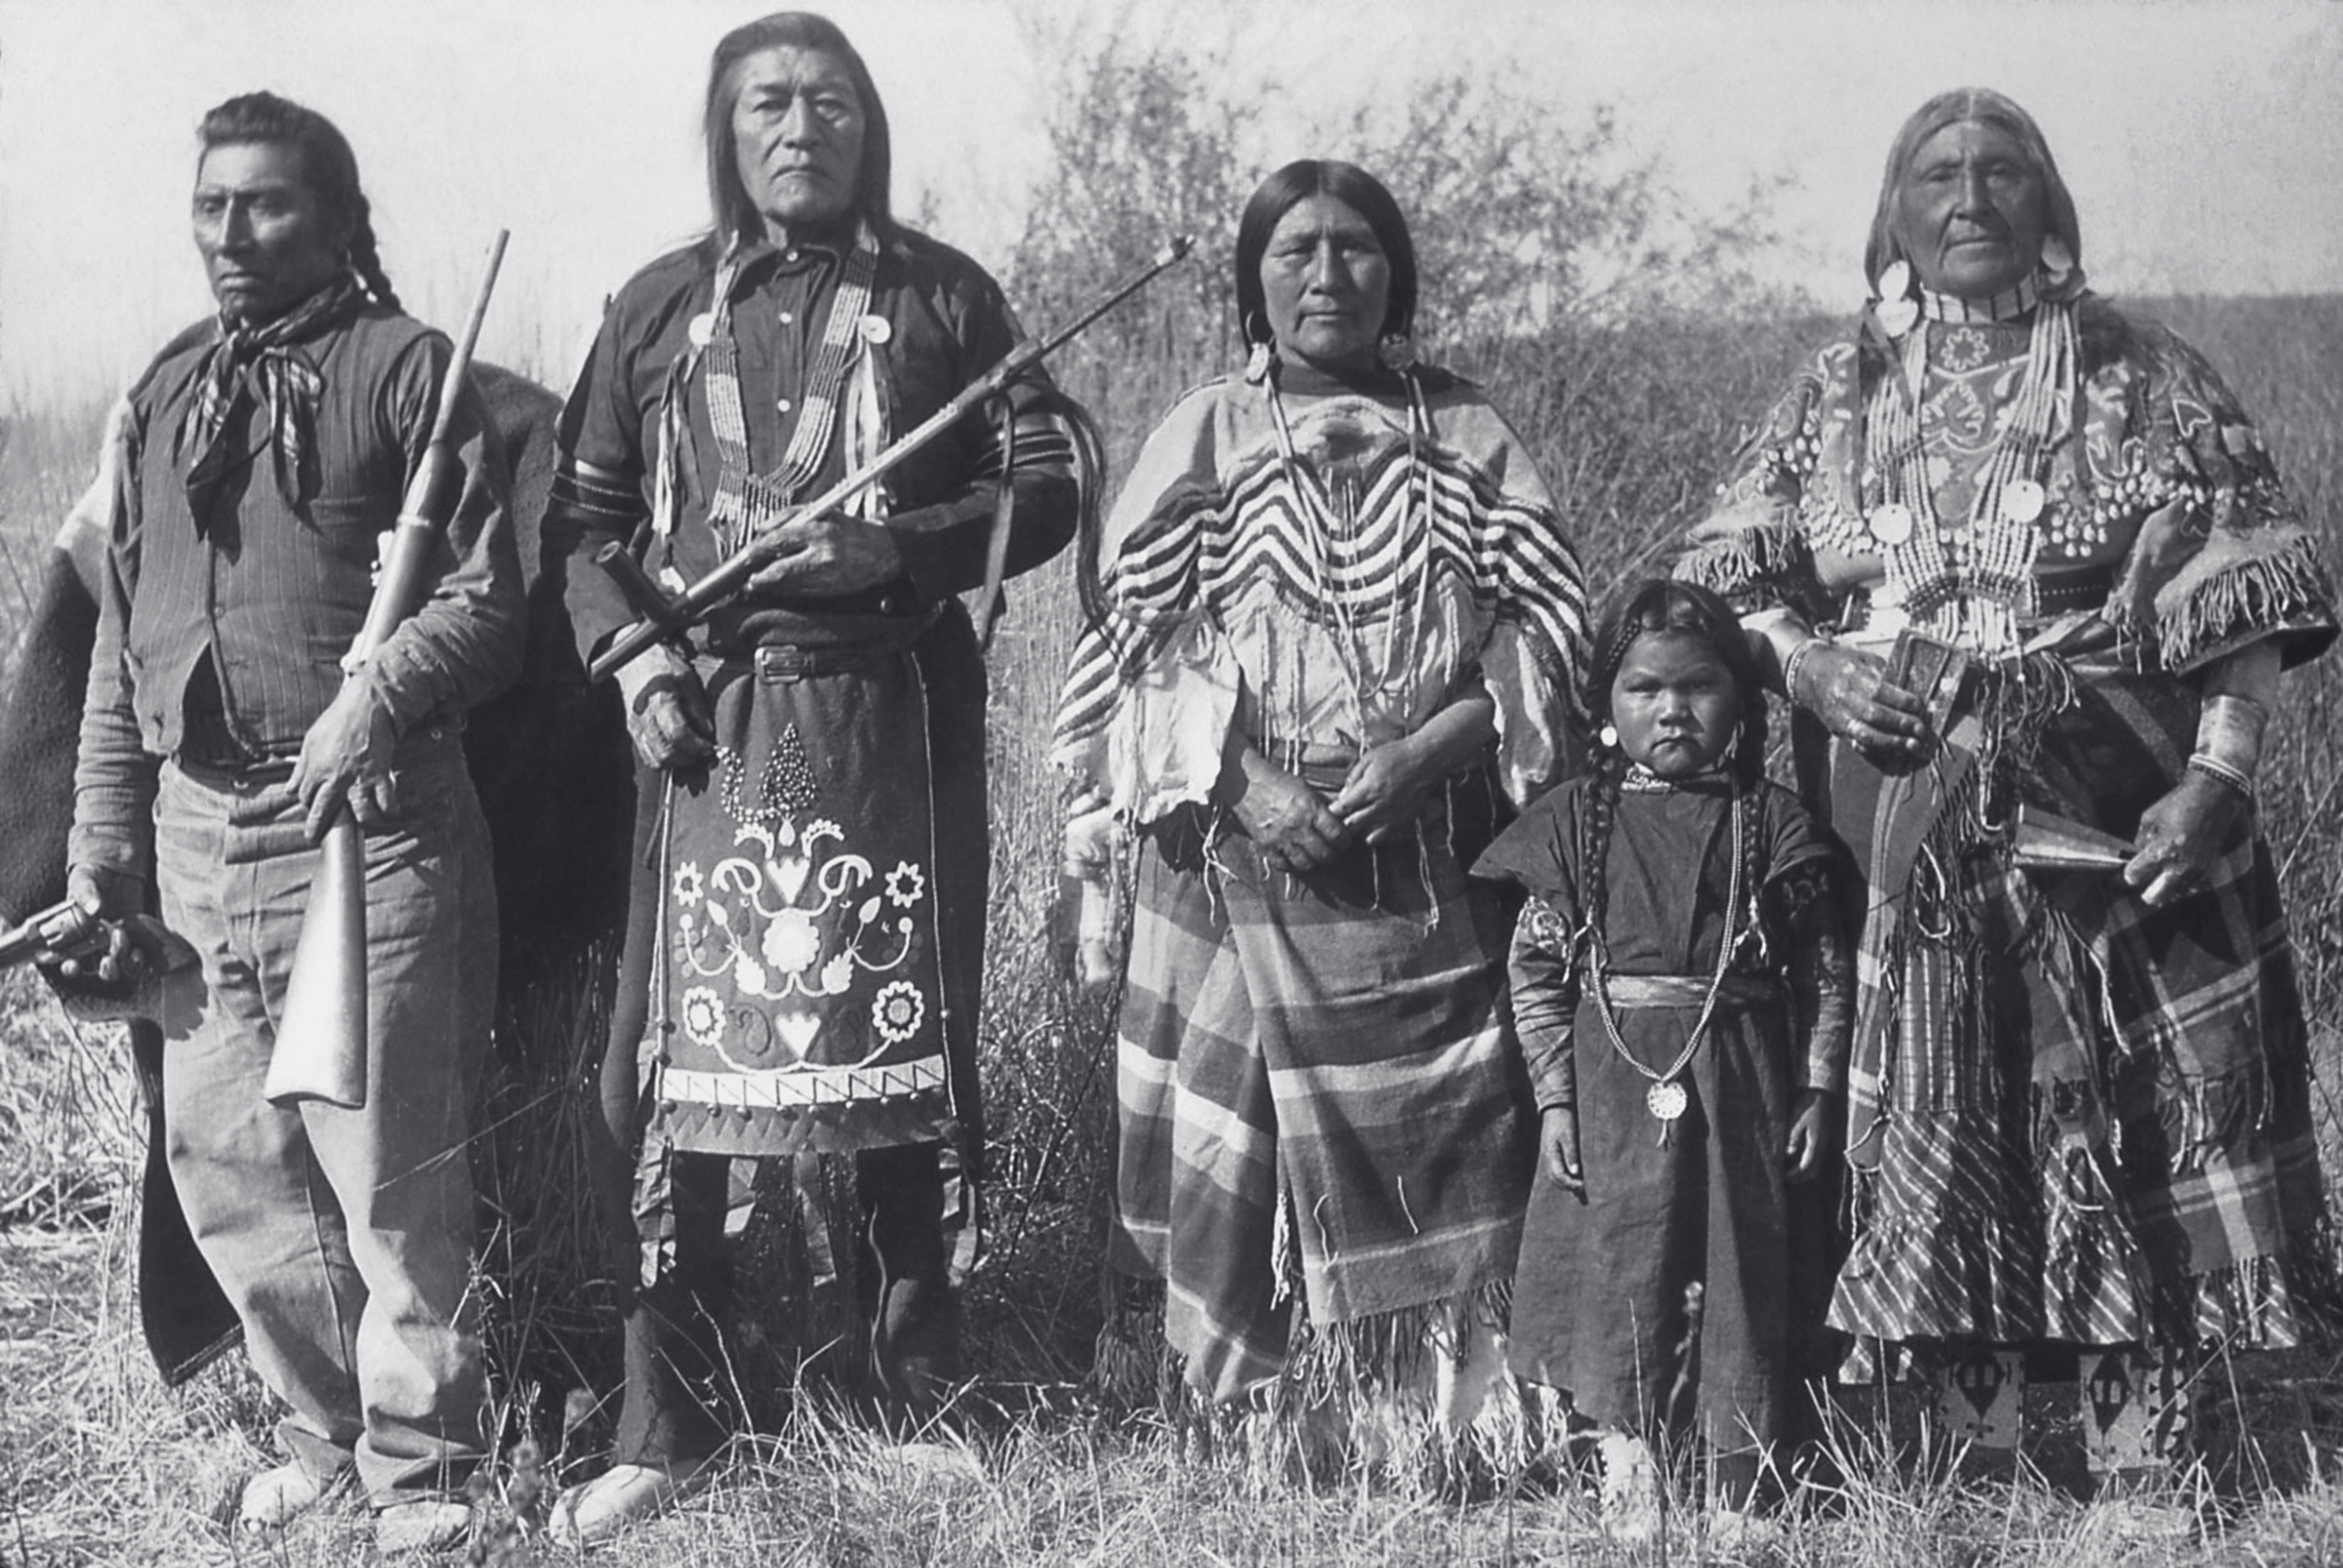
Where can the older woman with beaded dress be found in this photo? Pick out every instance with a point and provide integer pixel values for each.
(2030, 566)
(1332, 601)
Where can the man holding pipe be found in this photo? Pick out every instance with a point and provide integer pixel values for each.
(261, 459)
(803, 954)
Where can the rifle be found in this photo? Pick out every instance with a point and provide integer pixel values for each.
(665, 615)
(321, 1037)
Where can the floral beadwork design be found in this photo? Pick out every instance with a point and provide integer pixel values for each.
(795, 917)
(898, 1010)
(704, 1015)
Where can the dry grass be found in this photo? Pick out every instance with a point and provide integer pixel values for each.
(99, 1464)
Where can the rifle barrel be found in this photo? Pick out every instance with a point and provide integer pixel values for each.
(732, 574)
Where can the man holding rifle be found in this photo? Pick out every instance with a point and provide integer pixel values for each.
(806, 945)
(262, 458)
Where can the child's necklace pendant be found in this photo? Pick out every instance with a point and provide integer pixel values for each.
(1666, 1100)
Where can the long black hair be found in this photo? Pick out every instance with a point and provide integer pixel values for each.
(729, 199)
(326, 160)
(1664, 604)
(1291, 185)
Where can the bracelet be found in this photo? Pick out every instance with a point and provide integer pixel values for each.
(1797, 657)
(2213, 767)
(2229, 730)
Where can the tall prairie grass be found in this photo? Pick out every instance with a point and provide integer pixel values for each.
(1619, 334)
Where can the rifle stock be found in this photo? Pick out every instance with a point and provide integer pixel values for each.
(322, 1044)
(731, 575)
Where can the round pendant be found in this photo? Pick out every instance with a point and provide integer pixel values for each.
(701, 329)
(1666, 1100)
(2023, 501)
(875, 329)
(1898, 317)
(1891, 524)
(1894, 280)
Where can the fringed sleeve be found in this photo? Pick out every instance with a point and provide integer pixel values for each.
(1789, 488)
(2227, 560)
(1144, 716)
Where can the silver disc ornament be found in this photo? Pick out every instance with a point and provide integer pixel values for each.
(2023, 501)
(1666, 1100)
(1891, 524)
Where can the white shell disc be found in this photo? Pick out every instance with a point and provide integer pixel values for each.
(1898, 317)
(2023, 501)
(1891, 524)
(875, 329)
(701, 329)
(1666, 1100)
(1895, 282)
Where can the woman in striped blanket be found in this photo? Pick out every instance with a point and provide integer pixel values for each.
(1331, 617)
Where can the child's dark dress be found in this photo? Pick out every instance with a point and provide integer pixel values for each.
(1599, 1305)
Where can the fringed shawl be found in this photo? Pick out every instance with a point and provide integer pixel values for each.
(2182, 536)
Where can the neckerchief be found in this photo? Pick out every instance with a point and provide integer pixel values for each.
(261, 361)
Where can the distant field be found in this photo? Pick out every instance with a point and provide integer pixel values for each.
(97, 1465)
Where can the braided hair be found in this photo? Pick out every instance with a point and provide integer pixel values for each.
(1659, 605)
(326, 159)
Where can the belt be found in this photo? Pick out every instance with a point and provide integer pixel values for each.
(235, 777)
(1690, 990)
(2084, 589)
(263, 772)
(794, 661)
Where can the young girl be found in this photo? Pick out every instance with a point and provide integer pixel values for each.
(1680, 993)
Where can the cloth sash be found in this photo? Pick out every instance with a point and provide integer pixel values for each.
(258, 361)
(1689, 990)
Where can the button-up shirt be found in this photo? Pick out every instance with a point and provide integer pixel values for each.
(935, 322)
(256, 602)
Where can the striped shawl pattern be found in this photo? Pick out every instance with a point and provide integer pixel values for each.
(1315, 1092)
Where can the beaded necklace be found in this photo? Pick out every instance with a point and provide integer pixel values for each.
(1666, 1097)
(1410, 576)
(1969, 580)
(747, 503)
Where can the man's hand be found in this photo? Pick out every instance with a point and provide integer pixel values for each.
(105, 898)
(668, 717)
(346, 757)
(826, 555)
(1558, 1138)
(1287, 820)
(1810, 1133)
(2180, 838)
(1848, 689)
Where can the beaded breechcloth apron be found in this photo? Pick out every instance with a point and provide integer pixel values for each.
(798, 999)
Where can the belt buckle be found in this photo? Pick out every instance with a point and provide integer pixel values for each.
(780, 661)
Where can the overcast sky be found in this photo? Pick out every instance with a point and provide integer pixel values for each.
(2203, 139)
